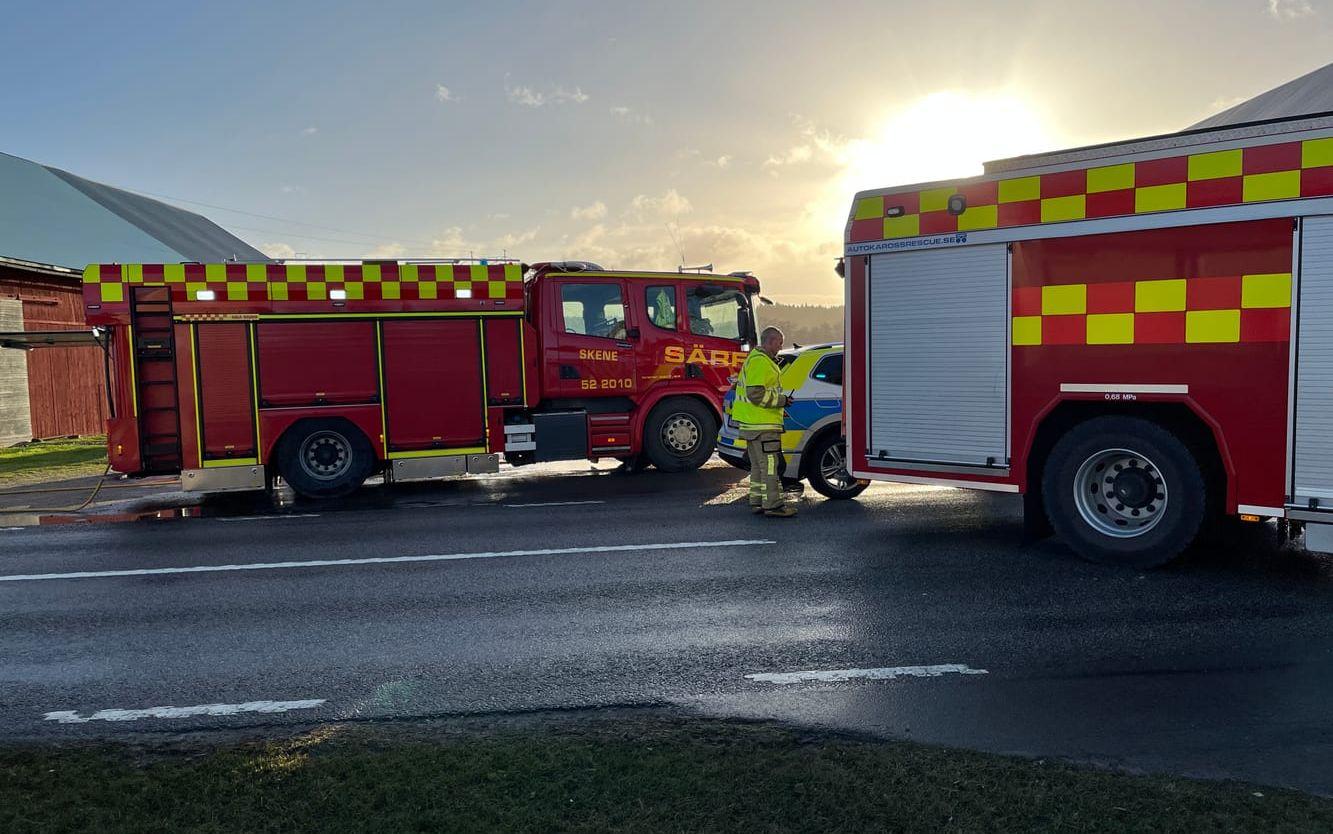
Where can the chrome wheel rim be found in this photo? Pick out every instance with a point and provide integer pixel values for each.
(680, 434)
(1120, 493)
(326, 455)
(833, 467)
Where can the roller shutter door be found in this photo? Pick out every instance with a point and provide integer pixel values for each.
(1314, 365)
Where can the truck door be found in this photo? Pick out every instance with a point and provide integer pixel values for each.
(594, 339)
(719, 329)
(1313, 453)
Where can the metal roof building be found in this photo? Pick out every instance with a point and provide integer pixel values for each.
(1310, 94)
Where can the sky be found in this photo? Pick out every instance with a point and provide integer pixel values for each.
(632, 134)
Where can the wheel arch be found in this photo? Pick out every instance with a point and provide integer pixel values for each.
(832, 424)
(646, 406)
(299, 425)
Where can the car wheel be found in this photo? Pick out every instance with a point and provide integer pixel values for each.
(826, 468)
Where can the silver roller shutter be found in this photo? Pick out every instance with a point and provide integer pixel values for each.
(939, 341)
(1314, 365)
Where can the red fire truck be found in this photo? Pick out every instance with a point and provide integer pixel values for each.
(325, 373)
(1136, 336)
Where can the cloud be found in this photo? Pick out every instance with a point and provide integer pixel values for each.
(670, 204)
(444, 95)
(309, 131)
(281, 251)
(532, 97)
(1290, 9)
(723, 161)
(814, 145)
(596, 211)
(387, 251)
(292, 189)
(629, 114)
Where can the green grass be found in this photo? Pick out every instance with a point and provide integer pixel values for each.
(637, 774)
(52, 460)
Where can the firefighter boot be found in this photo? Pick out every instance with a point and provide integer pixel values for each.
(785, 511)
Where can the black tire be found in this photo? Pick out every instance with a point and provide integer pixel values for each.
(818, 462)
(325, 458)
(1138, 482)
(742, 463)
(680, 435)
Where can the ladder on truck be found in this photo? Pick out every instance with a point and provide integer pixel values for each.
(155, 385)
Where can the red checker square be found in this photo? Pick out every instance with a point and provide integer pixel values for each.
(296, 291)
(178, 292)
(495, 272)
(195, 273)
(1064, 330)
(1113, 297)
(314, 274)
(1265, 325)
(1219, 192)
(1317, 182)
(870, 229)
(1161, 171)
(514, 289)
(1027, 301)
(1020, 214)
(110, 273)
(276, 273)
(1266, 159)
(389, 271)
(1159, 328)
(981, 193)
(1213, 293)
(938, 222)
(235, 272)
(352, 272)
(1064, 184)
(374, 291)
(910, 201)
(1110, 203)
(153, 273)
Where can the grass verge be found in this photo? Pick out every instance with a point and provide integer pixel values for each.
(52, 460)
(634, 774)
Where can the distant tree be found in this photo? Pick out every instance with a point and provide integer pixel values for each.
(803, 324)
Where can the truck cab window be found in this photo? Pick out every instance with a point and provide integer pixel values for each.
(661, 306)
(717, 315)
(593, 310)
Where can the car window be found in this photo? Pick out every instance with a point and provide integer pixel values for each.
(717, 315)
(661, 305)
(829, 369)
(593, 310)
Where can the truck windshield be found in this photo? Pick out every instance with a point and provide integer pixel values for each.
(719, 315)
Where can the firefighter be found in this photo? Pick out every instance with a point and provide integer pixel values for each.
(757, 409)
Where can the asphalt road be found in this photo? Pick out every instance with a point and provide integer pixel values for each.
(589, 588)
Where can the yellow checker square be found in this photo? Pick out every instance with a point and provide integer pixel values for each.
(173, 273)
(1027, 330)
(1279, 185)
(936, 199)
(1064, 300)
(237, 291)
(296, 273)
(1160, 296)
(1265, 291)
(277, 292)
(113, 292)
(1055, 209)
(1160, 197)
(1020, 189)
(333, 273)
(461, 288)
(907, 225)
(1212, 326)
(1215, 165)
(316, 291)
(979, 217)
(356, 290)
(92, 274)
(215, 273)
(427, 289)
(192, 289)
(868, 208)
(514, 272)
(496, 289)
(1110, 178)
(1316, 153)
(390, 290)
(407, 273)
(256, 273)
(370, 273)
(479, 272)
(1111, 329)
(133, 273)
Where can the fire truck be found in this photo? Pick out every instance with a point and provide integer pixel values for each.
(232, 374)
(1136, 336)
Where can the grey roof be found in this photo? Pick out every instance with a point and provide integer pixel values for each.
(50, 216)
(1311, 93)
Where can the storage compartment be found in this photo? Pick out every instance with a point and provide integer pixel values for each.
(317, 363)
(1313, 453)
(561, 435)
(504, 364)
(433, 384)
(225, 399)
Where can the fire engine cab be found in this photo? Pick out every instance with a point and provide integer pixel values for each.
(325, 373)
(1136, 336)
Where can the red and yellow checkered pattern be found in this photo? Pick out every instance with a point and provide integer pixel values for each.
(1257, 174)
(1221, 310)
(386, 281)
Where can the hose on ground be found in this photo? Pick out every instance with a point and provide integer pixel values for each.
(29, 510)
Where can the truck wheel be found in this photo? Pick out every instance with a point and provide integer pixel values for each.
(826, 468)
(325, 458)
(680, 435)
(1123, 490)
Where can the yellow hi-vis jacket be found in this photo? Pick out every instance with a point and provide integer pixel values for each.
(758, 403)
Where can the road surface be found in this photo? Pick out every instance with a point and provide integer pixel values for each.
(587, 588)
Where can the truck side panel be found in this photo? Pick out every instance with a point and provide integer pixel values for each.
(433, 384)
(504, 364)
(222, 369)
(317, 362)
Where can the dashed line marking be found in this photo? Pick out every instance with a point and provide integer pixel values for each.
(268, 707)
(267, 517)
(879, 674)
(385, 560)
(555, 504)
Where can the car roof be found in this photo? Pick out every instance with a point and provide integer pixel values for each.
(823, 346)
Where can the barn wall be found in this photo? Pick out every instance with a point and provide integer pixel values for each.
(65, 385)
(14, 423)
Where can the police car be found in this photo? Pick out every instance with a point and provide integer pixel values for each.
(812, 438)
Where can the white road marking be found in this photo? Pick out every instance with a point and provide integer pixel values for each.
(72, 717)
(267, 517)
(383, 560)
(881, 674)
(556, 504)
(9, 529)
